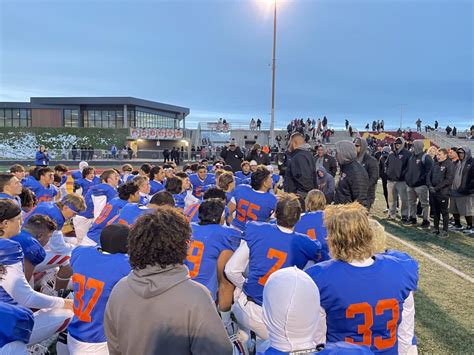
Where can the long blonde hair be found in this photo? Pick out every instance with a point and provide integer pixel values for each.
(315, 201)
(349, 234)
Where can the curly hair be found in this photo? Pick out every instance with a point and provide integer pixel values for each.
(159, 238)
(350, 236)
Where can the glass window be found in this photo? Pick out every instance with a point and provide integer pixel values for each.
(23, 114)
(71, 118)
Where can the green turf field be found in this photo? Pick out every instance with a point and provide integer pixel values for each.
(444, 301)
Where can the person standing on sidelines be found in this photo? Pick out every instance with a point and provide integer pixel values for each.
(418, 168)
(439, 181)
(371, 166)
(41, 157)
(395, 169)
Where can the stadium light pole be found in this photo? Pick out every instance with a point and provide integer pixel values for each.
(272, 119)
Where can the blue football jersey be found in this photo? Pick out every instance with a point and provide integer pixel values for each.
(364, 304)
(76, 175)
(207, 243)
(312, 224)
(87, 184)
(33, 251)
(110, 210)
(16, 325)
(272, 249)
(339, 348)
(129, 214)
(10, 253)
(29, 182)
(242, 176)
(43, 194)
(155, 187)
(179, 200)
(97, 190)
(198, 184)
(252, 205)
(94, 276)
(15, 199)
(51, 210)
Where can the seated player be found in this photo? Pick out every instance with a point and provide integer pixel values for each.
(187, 194)
(126, 171)
(77, 174)
(43, 188)
(87, 180)
(92, 288)
(245, 173)
(268, 248)
(10, 187)
(291, 313)
(131, 211)
(226, 182)
(143, 171)
(19, 171)
(201, 179)
(28, 202)
(61, 170)
(144, 187)
(366, 299)
(191, 213)
(54, 312)
(157, 180)
(312, 222)
(174, 186)
(210, 248)
(255, 202)
(127, 193)
(15, 328)
(58, 252)
(95, 198)
(34, 235)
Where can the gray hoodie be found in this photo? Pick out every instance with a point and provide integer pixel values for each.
(363, 148)
(418, 147)
(162, 311)
(345, 152)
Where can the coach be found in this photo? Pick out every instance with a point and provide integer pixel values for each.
(300, 175)
(371, 165)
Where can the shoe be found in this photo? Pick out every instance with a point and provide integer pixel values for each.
(443, 234)
(413, 221)
(468, 230)
(425, 224)
(457, 227)
(435, 231)
(404, 219)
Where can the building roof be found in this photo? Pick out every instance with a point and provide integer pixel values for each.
(38, 102)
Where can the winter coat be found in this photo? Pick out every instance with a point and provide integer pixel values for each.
(300, 174)
(232, 158)
(441, 177)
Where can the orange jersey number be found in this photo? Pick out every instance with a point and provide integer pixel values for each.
(246, 209)
(280, 257)
(311, 233)
(195, 251)
(365, 329)
(81, 312)
(104, 214)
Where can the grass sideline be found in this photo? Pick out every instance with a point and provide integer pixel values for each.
(444, 301)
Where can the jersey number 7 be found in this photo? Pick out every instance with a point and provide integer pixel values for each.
(281, 258)
(366, 329)
(84, 314)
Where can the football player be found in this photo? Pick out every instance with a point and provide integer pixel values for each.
(10, 187)
(43, 187)
(92, 287)
(267, 248)
(312, 222)
(366, 298)
(255, 202)
(201, 179)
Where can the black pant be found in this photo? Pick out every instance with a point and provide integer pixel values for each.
(385, 191)
(439, 206)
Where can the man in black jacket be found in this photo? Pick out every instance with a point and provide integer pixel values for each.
(354, 180)
(371, 165)
(395, 168)
(419, 165)
(300, 174)
(258, 155)
(327, 161)
(439, 181)
(462, 195)
(232, 155)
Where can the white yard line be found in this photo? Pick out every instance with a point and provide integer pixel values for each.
(432, 258)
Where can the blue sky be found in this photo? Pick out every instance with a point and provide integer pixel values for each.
(352, 59)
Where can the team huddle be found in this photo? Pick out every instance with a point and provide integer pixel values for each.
(198, 260)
